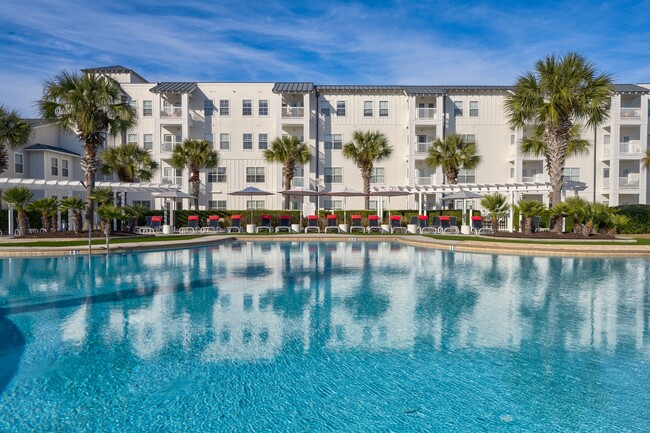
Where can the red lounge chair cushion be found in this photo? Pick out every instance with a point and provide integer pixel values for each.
(285, 217)
(156, 218)
(312, 217)
(356, 217)
(193, 218)
(373, 218)
(213, 218)
(423, 217)
(331, 217)
(395, 218)
(477, 218)
(268, 217)
(235, 217)
(444, 218)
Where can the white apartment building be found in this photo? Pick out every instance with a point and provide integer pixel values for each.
(242, 119)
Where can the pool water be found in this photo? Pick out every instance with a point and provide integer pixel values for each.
(348, 336)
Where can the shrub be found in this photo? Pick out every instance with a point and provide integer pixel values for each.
(638, 216)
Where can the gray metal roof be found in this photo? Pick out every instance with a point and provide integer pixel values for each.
(293, 87)
(359, 88)
(630, 88)
(457, 88)
(424, 90)
(43, 147)
(117, 69)
(173, 87)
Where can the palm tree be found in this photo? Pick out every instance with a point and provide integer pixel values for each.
(527, 210)
(452, 154)
(195, 155)
(576, 208)
(288, 151)
(645, 161)
(134, 212)
(107, 213)
(75, 205)
(103, 197)
(47, 207)
(561, 91)
(14, 132)
(365, 149)
(557, 213)
(91, 106)
(19, 197)
(496, 203)
(128, 161)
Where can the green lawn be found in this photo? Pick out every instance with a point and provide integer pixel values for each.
(97, 241)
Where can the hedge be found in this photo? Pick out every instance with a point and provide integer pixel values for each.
(639, 215)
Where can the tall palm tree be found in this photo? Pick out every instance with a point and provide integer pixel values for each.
(47, 207)
(75, 205)
(288, 151)
(14, 132)
(527, 210)
(128, 161)
(496, 203)
(19, 197)
(560, 92)
(365, 149)
(103, 197)
(195, 155)
(645, 161)
(91, 106)
(452, 154)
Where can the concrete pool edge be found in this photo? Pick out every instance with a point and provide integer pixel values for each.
(617, 249)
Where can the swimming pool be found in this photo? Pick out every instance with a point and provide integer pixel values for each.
(323, 337)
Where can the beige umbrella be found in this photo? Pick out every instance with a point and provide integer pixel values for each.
(345, 193)
(250, 191)
(301, 192)
(389, 192)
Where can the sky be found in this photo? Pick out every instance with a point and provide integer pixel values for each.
(325, 42)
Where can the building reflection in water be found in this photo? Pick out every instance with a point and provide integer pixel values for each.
(259, 301)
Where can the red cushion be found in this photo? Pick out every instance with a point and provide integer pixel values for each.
(312, 217)
(156, 218)
(373, 217)
(356, 217)
(477, 218)
(285, 217)
(213, 217)
(331, 217)
(444, 218)
(395, 218)
(193, 218)
(266, 217)
(423, 217)
(235, 217)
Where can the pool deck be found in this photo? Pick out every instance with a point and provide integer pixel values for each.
(619, 248)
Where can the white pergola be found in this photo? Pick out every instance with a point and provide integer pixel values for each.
(513, 190)
(67, 187)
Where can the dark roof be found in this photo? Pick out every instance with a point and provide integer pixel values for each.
(293, 88)
(359, 88)
(477, 88)
(409, 90)
(424, 90)
(630, 88)
(117, 69)
(39, 147)
(172, 87)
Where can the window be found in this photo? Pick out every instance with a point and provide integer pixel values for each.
(143, 203)
(224, 141)
(458, 108)
(132, 138)
(328, 203)
(170, 141)
(247, 107)
(572, 174)
(606, 139)
(65, 172)
(372, 205)
(422, 143)
(18, 163)
(217, 174)
(247, 139)
(298, 177)
(263, 141)
(55, 166)
(147, 108)
(424, 175)
(208, 107)
(333, 141)
(467, 175)
(473, 108)
(468, 138)
(340, 108)
(512, 172)
(217, 204)
(173, 175)
(333, 174)
(208, 136)
(134, 104)
(147, 141)
(324, 108)
(263, 107)
(383, 108)
(512, 139)
(255, 174)
(367, 108)
(377, 175)
(255, 204)
(224, 107)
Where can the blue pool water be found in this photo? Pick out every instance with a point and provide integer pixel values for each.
(324, 337)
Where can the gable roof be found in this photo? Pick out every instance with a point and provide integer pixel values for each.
(299, 87)
(39, 147)
(173, 87)
(117, 69)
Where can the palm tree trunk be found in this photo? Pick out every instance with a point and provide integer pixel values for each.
(89, 165)
(495, 223)
(528, 226)
(451, 174)
(76, 221)
(557, 139)
(365, 175)
(23, 222)
(557, 223)
(196, 186)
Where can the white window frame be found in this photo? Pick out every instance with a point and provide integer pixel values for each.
(54, 166)
(16, 163)
(325, 108)
(224, 141)
(65, 167)
(132, 138)
(147, 108)
(262, 141)
(340, 108)
(208, 107)
(247, 139)
(263, 107)
(224, 107)
(333, 142)
(247, 107)
(473, 108)
(333, 174)
(466, 175)
(383, 108)
(571, 174)
(255, 175)
(367, 108)
(378, 175)
(147, 141)
(458, 108)
(217, 205)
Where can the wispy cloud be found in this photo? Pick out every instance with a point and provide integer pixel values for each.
(428, 42)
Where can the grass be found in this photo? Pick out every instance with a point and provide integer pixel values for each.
(96, 241)
(638, 240)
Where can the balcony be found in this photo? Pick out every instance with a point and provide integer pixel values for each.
(632, 113)
(426, 180)
(426, 113)
(628, 147)
(535, 178)
(422, 147)
(606, 183)
(176, 180)
(171, 112)
(629, 182)
(293, 112)
(168, 146)
(298, 182)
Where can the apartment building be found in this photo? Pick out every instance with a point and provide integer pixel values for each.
(242, 119)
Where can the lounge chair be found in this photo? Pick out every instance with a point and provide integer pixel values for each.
(436, 224)
(156, 224)
(213, 225)
(332, 224)
(285, 224)
(477, 226)
(356, 224)
(312, 224)
(536, 223)
(448, 225)
(235, 224)
(423, 225)
(396, 224)
(192, 225)
(373, 223)
(265, 224)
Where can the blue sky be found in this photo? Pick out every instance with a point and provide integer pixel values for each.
(333, 42)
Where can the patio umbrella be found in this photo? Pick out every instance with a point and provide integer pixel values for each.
(390, 192)
(250, 191)
(345, 193)
(177, 193)
(463, 195)
(301, 192)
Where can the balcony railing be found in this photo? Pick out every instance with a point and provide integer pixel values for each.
(422, 147)
(606, 183)
(426, 113)
(535, 178)
(297, 182)
(426, 180)
(631, 181)
(169, 146)
(293, 112)
(174, 112)
(631, 113)
(176, 180)
(629, 147)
